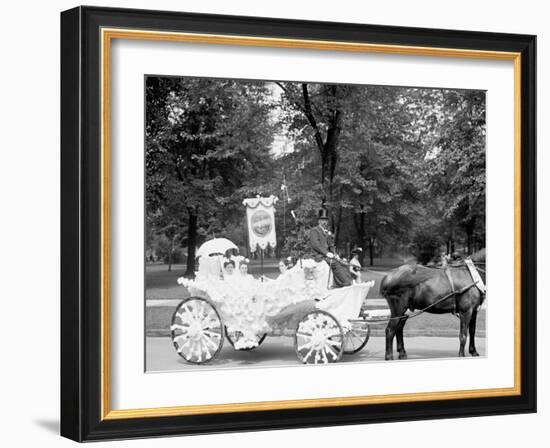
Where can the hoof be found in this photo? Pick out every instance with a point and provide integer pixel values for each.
(402, 356)
(389, 357)
(461, 354)
(474, 353)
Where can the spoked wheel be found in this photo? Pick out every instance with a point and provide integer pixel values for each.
(319, 338)
(356, 338)
(197, 330)
(233, 337)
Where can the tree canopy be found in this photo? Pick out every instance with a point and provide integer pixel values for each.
(393, 165)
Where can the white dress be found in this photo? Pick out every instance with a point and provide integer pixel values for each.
(210, 266)
(355, 269)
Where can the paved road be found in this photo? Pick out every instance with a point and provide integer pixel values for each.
(277, 351)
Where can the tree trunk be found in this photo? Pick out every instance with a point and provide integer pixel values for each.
(337, 230)
(191, 243)
(329, 148)
(331, 145)
(371, 251)
(450, 244)
(359, 220)
(470, 235)
(170, 254)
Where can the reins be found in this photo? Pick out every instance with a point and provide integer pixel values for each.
(423, 310)
(453, 293)
(460, 265)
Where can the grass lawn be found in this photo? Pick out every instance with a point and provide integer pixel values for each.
(162, 284)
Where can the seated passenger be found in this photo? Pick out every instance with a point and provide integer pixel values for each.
(322, 250)
(355, 265)
(228, 269)
(243, 269)
(286, 263)
(282, 266)
(210, 266)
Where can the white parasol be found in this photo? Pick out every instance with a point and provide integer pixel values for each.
(215, 246)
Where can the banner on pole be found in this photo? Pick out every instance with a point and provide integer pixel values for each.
(260, 217)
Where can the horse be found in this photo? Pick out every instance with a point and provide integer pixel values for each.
(415, 287)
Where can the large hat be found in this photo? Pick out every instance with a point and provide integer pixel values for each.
(289, 261)
(215, 246)
(322, 213)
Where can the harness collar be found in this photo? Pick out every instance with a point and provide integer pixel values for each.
(476, 278)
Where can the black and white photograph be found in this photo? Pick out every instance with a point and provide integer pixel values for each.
(294, 222)
(275, 224)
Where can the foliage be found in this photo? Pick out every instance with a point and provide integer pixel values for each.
(203, 138)
(425, 246)
(399, 169)
(166, 252)
(458, 164)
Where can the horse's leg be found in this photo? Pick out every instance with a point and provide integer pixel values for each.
(390, 328)
(398, 308)
(473, 321)
(390, 333)
(399, 335)
(465, 318)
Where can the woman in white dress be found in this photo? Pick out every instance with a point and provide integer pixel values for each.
(228, 270)
(282, 267)
(243, 270)
(355, 265)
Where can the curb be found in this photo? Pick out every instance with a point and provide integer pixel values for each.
(375, 332)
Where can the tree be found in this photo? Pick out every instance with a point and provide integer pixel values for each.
(317, 111)
(203, 137)
(378, 173)
(457, 164)
(368, 155)
(390, 163)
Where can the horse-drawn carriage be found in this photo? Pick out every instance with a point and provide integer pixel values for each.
(325, 323)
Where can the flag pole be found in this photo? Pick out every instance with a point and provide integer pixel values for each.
(284, 209)
(262, 263)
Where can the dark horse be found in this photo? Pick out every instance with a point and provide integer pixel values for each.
(414, 287)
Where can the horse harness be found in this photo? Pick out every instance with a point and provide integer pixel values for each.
(476, 281)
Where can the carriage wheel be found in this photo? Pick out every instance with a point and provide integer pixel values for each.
(356, 338)
(232, 341)
(197, 330)
(319, 338)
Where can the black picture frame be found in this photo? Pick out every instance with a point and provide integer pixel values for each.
(81, 208)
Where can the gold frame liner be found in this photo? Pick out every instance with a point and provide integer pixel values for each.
(107, 35)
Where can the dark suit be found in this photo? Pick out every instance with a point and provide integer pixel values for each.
(320, 243)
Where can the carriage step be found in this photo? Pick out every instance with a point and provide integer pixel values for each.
(376, 314)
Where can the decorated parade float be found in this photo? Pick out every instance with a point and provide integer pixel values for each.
(227, 303)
